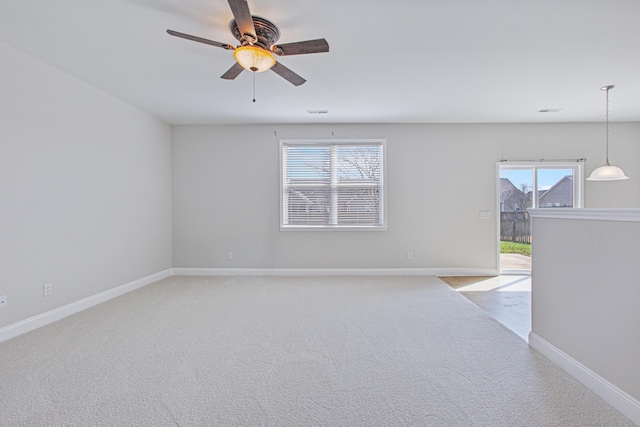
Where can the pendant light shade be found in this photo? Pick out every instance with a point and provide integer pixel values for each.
(607, 172)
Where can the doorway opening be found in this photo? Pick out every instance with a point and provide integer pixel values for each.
(526, 185)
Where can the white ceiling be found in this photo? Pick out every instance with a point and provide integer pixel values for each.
(390, 61)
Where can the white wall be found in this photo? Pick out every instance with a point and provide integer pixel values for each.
(226, 194)
(85, 189)
(584, 299)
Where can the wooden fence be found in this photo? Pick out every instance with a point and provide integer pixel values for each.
(515, 227)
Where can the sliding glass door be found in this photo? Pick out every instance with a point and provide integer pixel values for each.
(525, 185)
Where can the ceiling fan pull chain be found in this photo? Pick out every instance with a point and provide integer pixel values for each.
(254, 86)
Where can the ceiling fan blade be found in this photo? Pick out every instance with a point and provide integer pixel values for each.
(232, 72)
(287, 74)
(300, 48)
(200, 40)
(242, 15)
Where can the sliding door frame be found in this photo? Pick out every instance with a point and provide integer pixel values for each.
(576, 165)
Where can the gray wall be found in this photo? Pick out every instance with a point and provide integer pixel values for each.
(226, 194)
(85, 189)
(585, 294)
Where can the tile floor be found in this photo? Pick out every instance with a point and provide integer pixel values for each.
(506, 298)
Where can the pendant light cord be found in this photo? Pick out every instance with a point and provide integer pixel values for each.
(607, 126)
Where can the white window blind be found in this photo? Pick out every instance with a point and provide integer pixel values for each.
(332, 184)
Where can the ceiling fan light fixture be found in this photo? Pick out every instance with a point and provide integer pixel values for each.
(254, 58)
(257, 37)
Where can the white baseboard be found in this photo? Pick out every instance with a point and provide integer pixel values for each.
(619, 399)
(51, 316)
(335, 272)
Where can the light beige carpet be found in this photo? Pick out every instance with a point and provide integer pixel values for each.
(288, 351)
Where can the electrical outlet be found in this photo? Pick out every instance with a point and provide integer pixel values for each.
(46, 289)
(3, 301)
(229, 255)
(409, 255)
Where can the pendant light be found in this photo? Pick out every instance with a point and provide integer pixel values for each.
(607, 172)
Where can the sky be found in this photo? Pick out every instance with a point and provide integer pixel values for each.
(546, 177)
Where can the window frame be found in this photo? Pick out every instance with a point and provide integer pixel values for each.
(578, 181)
(335, 227)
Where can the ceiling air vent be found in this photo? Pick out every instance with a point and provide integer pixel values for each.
(318, 111)
(550, 110)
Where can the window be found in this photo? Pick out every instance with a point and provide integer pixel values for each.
(331, 184)
(551, 184)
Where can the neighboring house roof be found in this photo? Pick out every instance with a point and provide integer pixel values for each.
(505, 186)
(559, 195)
(512, 198)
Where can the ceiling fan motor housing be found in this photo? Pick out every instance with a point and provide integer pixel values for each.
(266, 31)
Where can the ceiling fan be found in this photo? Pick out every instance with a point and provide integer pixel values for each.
(257, 37)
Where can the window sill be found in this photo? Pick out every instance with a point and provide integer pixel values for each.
(332, 228)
